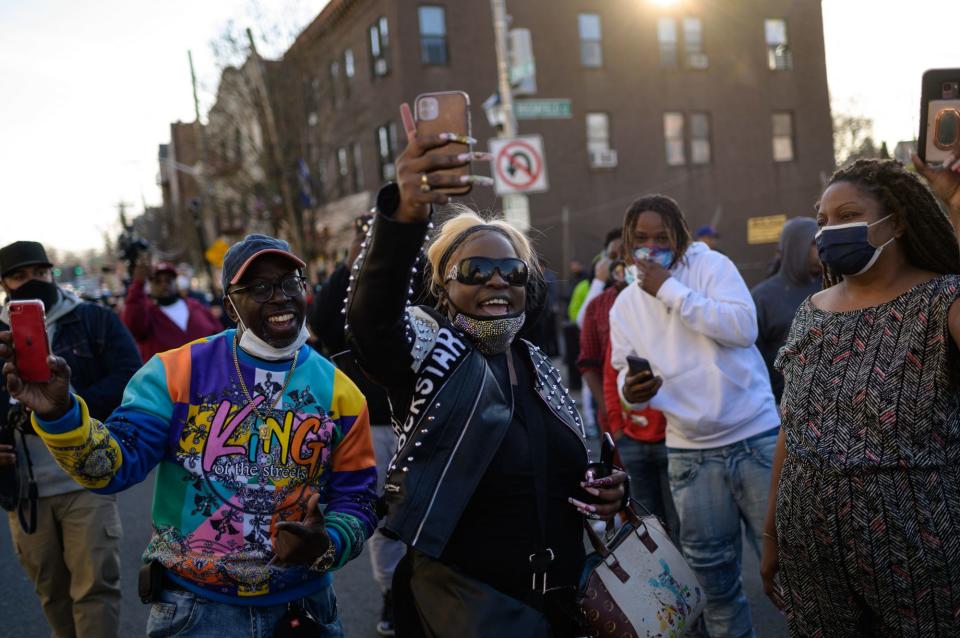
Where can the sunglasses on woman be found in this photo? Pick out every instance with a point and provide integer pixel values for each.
(476, 271)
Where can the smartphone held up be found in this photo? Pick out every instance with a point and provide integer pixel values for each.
(446, 112)
(939, 116)
(30, 345)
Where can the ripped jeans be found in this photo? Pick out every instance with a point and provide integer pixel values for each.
(715, 492)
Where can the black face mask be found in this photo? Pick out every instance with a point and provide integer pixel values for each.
(45, 291)
(168, 300)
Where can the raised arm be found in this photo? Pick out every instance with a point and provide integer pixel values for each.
(378, 329)
(721, 309)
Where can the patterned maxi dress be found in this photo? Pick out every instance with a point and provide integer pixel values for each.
(868, 509)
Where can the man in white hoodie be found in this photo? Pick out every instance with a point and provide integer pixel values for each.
(690, 314)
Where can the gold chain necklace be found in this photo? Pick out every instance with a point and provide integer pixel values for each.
(246, 392)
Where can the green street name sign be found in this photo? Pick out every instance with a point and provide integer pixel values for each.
(559, 109)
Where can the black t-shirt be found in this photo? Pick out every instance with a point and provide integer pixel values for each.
(500, 526)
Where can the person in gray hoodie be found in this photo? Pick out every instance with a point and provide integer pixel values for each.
(72, 552)
(778, 297)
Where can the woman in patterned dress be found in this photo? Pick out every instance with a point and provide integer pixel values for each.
(864, 521)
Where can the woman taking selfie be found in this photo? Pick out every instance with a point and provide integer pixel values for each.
(864, 518)
(488, 488)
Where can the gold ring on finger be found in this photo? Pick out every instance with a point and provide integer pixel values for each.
(424, 183)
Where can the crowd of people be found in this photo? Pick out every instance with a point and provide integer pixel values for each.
(408, 408)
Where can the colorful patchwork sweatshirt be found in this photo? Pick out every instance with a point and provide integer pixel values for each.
(227, 475)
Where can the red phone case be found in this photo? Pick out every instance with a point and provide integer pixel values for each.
(30, 344)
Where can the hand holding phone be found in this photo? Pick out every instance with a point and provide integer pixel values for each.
(939, 140)
(30, 345)
(43, 384)
(423, 168)
(640, 385)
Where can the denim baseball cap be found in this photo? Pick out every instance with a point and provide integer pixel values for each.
(241, 255)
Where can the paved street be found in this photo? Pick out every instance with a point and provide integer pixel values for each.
(358, 595)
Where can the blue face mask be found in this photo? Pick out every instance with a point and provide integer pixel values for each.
(662, 256)
(844, 248)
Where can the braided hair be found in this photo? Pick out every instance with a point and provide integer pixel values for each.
(929, 239)
(673, 219)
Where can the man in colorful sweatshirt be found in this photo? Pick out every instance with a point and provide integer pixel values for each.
(236, 517)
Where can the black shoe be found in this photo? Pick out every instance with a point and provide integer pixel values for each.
(385, 626)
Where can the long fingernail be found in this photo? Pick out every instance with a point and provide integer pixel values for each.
(476, 179)
(460, 139)
(581, 506)
(478, 156)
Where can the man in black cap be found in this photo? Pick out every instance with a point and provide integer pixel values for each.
(73, 555)
(240, 544)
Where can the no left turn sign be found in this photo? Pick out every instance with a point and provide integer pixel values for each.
(518, 165)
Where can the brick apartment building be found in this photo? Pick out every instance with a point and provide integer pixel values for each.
(722, 105)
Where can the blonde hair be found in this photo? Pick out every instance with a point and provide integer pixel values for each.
(451, 237)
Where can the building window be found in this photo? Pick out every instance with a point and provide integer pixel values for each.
(598, 141)
(433, 36)
(334, 79)
(779, 57)
(669, 41)
(694, 57)
(379, 43)
(357, 182)
(673, 136)
(349, 69)
(667, 38)
(783, 137)
(343, 170)
(386, 140)
(699, 138)
(591, 40)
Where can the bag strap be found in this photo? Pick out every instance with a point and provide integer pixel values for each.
(537, 438)
(29, 525)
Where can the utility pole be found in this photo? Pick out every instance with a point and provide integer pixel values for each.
(200, 176)
(297, 240)
(516, 208)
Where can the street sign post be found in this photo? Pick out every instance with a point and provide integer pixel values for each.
(556, 109)
(519, 165)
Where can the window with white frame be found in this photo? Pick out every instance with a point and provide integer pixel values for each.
(386, 139)
(673, 138)
(783, 150)
(591, 40)
(699, 138)
(334, 80)
(667, 42)
(433, 35)
(779, 56)
(694, 56)
(379, 44)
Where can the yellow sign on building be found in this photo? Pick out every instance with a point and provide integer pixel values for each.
(765, 230)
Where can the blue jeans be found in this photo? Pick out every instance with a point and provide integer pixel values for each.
(647, 465)
(714, 491)
(184, 614)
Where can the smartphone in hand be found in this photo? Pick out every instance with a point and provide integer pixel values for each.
(636, 365)
(30, 345)
(939, 115)
(446, 112)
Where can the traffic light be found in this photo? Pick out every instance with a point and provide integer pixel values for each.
(77, 270)
(57, 272)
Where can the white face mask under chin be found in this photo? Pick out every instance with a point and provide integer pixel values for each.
(257, 347)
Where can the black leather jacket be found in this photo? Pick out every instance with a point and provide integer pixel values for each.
(448, 409)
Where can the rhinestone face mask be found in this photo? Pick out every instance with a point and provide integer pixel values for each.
(492, 335)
